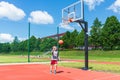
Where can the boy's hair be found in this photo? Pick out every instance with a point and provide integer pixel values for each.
(54, 47)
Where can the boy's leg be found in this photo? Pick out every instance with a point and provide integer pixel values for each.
(51, 68)
(55, 68)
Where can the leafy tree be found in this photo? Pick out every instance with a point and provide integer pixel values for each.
(95, 33)
(23, 45)
(111, 32)
(73, 36)
(1, 47)
(47, 44)
(66, 39)
(80, 39)
(15, 44)
(6, 47)
(37, 44)
(32, 43)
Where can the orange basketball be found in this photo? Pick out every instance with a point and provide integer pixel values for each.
(60, 42)
(70, 20)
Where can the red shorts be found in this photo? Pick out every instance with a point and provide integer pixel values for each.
(53, 62)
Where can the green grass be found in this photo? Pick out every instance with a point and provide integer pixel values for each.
(23, 53)
(21, 57)
(111, 56)
(94, 67)
(12, 59)
(97, 55)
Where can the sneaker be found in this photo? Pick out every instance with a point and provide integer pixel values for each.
(54, 71)
(50, 71)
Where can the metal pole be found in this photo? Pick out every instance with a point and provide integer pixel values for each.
(86, 46)
(29, 42)
(85, 29)
(86, 36)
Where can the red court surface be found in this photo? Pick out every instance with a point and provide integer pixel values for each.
(41, 72)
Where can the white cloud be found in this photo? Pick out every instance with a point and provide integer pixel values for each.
(92, 3)
(10, 11)
(22, 39)
(41, 17)
(66, 26)
(6, 38)
(115, 7)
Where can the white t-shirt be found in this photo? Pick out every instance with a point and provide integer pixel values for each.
(54, 55)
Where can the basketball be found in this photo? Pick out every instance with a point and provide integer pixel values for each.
(60, 42)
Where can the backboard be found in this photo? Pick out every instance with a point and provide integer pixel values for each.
(73, 12)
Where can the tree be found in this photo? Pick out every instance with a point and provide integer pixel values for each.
(111, 32)
(80, 39)
(73, 36)
(6, 47)
(47, 44)
(15, 44)
(95, 33)
(1, 47)
(23, 45)
(37, 44)
(66, 39)
(32, 43)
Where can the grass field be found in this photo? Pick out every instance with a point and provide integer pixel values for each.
(11, 59)
(21, 57)
(111, 56)
(96, 55)
(94, 67)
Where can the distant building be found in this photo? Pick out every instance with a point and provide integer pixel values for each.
(54, 36)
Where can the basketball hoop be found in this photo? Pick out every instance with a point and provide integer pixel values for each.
(65, 22)
(70, 20)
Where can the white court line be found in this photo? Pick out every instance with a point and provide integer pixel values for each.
(24, 63)
(107, 77)
(3, 64)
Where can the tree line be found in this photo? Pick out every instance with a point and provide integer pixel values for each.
(105, 36)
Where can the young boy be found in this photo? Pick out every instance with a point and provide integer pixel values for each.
(54, 59)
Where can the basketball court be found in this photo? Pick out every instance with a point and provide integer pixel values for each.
(37, 71)
(41, 72)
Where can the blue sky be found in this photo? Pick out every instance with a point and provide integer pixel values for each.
(15, 14)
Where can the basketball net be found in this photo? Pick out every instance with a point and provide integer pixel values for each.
(66, 22)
